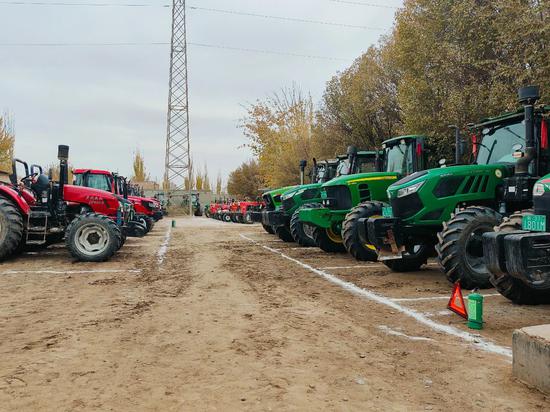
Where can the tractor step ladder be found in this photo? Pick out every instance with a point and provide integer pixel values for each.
(37, 224)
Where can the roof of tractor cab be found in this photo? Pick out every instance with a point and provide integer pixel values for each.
(406, 137)
(508, 116)
(92, 171)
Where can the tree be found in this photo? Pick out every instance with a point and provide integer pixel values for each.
(245, 181)
(7, 141)
(140, 173)
(206, 185)
(461, 61)
(359, 106)
(279, 133)
(219, 184)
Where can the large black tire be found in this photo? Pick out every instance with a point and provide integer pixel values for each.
(268, 229)
(92, 237)
(350, 232)
(149, 223)
(297, 226)
(226, 217)
(510, 287)
(328, 241)
(460, 247)
(11, 229)
(411, 261)
(283, 232)
(123, 238)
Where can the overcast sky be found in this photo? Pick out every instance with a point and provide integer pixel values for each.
(106, 102)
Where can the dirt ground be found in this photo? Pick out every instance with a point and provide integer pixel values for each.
(215, 316)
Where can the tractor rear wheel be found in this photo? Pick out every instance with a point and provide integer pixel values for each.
(510, 287)
(92, 237)
(150, 223)
(11, 228)
(268, 229)
(411, 261)
(297, 227)
(328, 240)
(283, 232)
(460, 247)
(350, 234)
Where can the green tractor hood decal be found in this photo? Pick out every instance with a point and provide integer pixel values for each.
(361, 178)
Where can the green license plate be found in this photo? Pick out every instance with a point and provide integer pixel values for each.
(534, 223)
(387, 211)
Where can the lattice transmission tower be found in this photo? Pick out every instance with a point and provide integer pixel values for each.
(178, 156)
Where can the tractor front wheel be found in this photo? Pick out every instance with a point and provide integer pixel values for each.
(268, 229)
(411, 261)
(350, 234)
(460, 247)
(328, 240)
(11, 228)
(92, 237)
(283, 232)
(226, 217)
(297, 227)
(510, 287)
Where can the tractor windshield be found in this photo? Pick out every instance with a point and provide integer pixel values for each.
(500, 142)
(366, 164)
(399, 158)
(100, 182)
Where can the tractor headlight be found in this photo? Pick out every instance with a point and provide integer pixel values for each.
(409, 189)
(538, 189)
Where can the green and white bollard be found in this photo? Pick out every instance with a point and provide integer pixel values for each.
(475, 311)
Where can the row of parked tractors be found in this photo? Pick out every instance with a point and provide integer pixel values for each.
(93, 215)
(231, 210)
(485, 217)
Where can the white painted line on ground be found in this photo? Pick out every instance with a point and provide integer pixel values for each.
(392, 332)
(438, 313)
(350, 267)
(164, 246)
(69, 272)
(475, 340)
(309, 249)
(437, 298)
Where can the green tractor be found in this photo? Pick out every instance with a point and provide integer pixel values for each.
(272, 201)
(348, 198)
(452, 207)
(285, 220)
(517, 253)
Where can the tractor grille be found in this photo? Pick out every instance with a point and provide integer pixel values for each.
(269, 205)
(288, 203)
(364, 192)
(407, 206)
(339, 196)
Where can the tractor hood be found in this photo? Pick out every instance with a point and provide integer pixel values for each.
(278, 191)
(360, 178)
(418, 178)
(298, 190)
(91, 197)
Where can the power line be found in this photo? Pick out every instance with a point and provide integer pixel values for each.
(58, 3)
(293, 19)
(360, 3)
(204, 45)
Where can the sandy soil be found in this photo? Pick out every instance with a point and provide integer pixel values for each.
(221, 323)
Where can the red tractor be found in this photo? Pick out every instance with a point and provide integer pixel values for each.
(148, 210)
(241, 214)
(36, 211)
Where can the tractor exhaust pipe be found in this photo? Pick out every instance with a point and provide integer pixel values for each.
(314, 171)
(352, 157)
(63, 156)
(303, 164)
(459, 147)
(528, 96)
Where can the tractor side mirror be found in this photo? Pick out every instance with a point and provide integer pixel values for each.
(442, 162)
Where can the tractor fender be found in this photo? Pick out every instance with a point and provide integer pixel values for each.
(11, 194)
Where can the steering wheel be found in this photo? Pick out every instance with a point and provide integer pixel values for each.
(29, 177)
